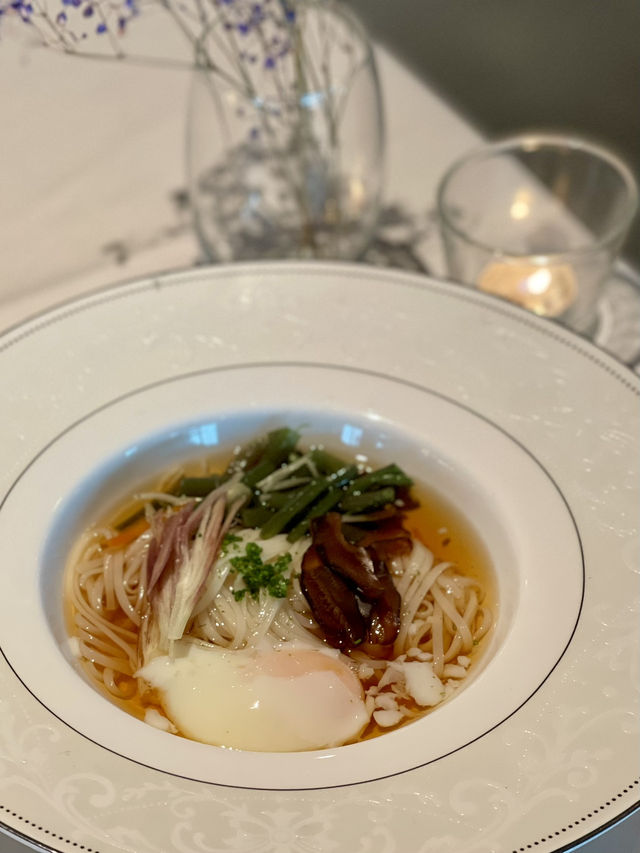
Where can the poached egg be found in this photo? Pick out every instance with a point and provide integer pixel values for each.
(284, 699)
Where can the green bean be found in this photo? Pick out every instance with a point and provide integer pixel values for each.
(301, 529)
(259, 472)
(292, 509)
(274, 500)
(280, 444)
(326, 503)
(338, 488)
(389, 476)
(364, 501)
(198, 487)
(322, 507)
(325, 462)
(255, 516)
(343, 476)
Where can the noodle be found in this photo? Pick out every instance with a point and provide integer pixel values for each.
(113, 576)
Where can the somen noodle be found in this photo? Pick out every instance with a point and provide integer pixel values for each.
(328, 567)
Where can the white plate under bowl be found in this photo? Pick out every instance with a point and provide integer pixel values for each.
(532, 432)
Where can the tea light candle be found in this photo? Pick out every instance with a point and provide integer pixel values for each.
(545, 290)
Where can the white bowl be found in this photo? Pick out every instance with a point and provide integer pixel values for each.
(498, 486)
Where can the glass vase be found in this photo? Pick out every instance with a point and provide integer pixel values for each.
(285, 133)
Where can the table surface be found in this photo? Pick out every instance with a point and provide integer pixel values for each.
(92, 193)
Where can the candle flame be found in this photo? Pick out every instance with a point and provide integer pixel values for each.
(548, 291)
(539, 282)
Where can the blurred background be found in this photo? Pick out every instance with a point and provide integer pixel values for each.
(517, 65)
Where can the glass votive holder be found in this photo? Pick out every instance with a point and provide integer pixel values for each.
(538, 220)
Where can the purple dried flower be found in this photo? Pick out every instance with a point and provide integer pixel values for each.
(25, 10)
(289, 13)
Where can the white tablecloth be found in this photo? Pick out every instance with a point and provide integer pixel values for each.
(92, 159)
(91, 174)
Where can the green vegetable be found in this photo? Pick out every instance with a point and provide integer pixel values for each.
(259, 472)
(322, 507)
(343, 476)
(279, 445)
(289, 487)
(230, 543)
(326, 502)
(367, 501)
(326, 462)
(292, 509)
(255, 516)
(258, 575)
(391, 475)
(198, 487)
(274, 500)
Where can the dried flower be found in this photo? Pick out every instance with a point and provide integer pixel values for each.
(255, 32)
(288, 63)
